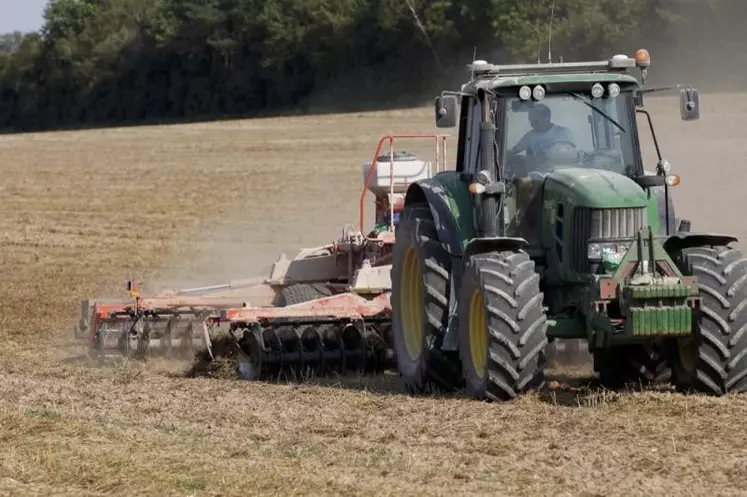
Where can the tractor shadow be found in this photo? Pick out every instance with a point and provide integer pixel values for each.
(573, 383)
(379, 383)
(569, 391)
(376, 383)
(589, 392)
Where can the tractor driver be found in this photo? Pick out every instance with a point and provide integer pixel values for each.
(543, 133)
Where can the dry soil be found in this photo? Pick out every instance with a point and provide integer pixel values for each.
(84, 211)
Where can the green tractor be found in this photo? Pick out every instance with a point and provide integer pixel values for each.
(551, 228)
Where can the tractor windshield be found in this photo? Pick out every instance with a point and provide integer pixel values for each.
(569, 130)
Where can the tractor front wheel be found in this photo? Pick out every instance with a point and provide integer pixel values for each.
(502, 326)
(713, 359)
(420, 303)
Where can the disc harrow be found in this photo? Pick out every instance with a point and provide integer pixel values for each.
(325, 310)
(339, 334)
(316, 349)
(136, 330)
(175, 334)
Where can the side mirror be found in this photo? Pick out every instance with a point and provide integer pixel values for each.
(446, 111)
(689, 104)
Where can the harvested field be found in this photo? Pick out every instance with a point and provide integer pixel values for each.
(85, 211)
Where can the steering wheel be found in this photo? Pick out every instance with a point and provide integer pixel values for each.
(562, 151)
(560, 145)
(607, 159)
(515, 163)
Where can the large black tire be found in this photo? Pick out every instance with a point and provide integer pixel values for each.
(502, 326)
(714, 360)
(301, 292)
(640, 364)
(420, 304)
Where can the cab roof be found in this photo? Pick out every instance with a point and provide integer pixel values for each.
(489, 76)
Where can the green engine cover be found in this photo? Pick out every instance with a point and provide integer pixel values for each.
(595, 188)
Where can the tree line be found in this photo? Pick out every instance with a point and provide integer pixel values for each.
(100, 62)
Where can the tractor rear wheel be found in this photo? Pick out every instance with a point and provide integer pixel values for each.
(502, 326)
(420, 303)
(714, 359)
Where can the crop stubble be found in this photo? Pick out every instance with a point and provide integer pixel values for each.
(84, 211)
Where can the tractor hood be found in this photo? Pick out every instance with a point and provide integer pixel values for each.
(596, 188)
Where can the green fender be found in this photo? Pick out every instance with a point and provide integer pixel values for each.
(680, 240)
(453, 210)
(453, 214)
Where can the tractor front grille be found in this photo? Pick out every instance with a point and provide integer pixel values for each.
(609, 224)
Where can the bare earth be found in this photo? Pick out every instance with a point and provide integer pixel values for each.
(85, 211)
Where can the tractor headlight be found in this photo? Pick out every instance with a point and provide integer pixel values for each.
(611, 253)
(483, 177)
(538, 92)
(597, 90)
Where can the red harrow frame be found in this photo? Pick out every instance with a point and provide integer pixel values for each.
(326, 309)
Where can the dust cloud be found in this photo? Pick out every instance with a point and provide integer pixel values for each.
(220, 254)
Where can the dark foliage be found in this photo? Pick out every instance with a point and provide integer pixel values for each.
(100, 62)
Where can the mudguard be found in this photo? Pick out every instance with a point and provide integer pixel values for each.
(452, 208)
(683, 240)
(449, 200)
(453, 214)
(482, 245)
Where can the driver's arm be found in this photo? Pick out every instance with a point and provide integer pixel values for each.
(566, 135)
(521, 145)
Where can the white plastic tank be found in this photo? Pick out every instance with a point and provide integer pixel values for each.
(406, 168)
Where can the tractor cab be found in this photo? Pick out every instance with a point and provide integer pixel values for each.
(582, 129)
(570, 123)
(569, 129)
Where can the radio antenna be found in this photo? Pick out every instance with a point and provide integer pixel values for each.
(474, 58)
(549, 34)
(539, 33)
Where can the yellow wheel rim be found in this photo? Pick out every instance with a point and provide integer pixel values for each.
(478, 333)
(688, 352)
(411, 300)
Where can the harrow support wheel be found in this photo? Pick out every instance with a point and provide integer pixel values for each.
(502, 326)
(420, 303)
(301, 292)
(714, 359)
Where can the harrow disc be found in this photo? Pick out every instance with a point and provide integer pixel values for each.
(140, 337)
(301, 351)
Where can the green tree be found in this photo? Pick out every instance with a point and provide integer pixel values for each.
(116, 61)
